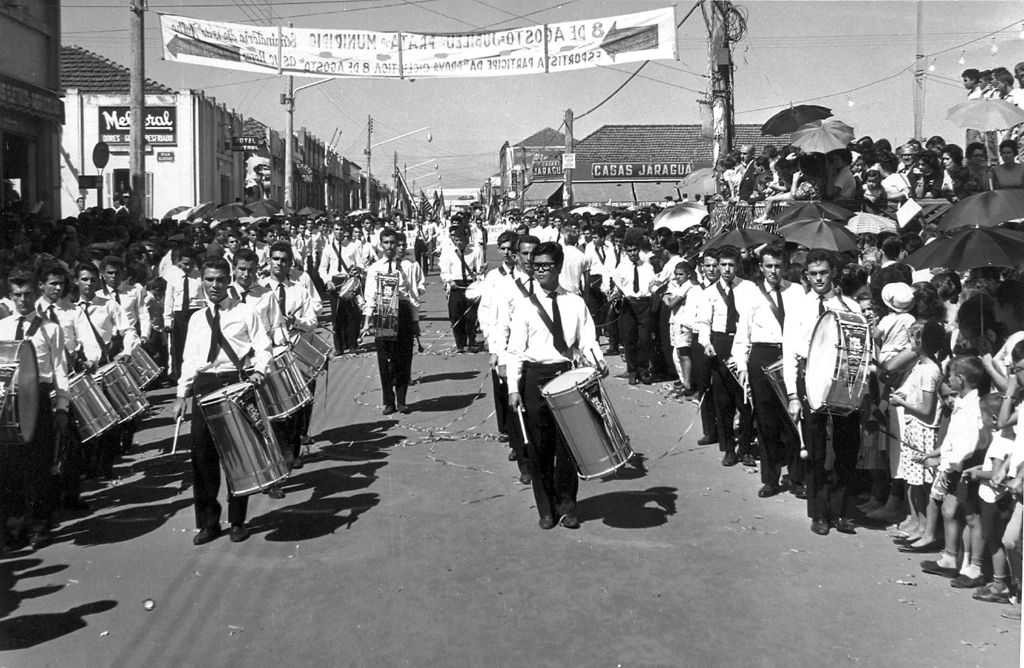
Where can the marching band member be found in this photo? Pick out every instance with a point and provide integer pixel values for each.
(827, 501)
(758, 344)
(716, 325)
(131, 299)
(701, 363)
(104, 336)
(221, 338)
(394, 357)
(459, 268)
(633, 278)
(25, 470)
(183, 298)
(536, 354)
(495, 285)
(575, 276)
(341, 260)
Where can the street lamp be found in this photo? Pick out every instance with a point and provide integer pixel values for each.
(369, 153)
(288, 100)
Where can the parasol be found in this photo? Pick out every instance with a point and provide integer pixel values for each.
(986, 209)
(309, 211)
(822, 136)
(229, 212)
(789, 120)
(742, 238)
(592, 210)
(819, 233)
(196, 212)
(813, 211)
(871, 223)
(970, 248)
(681, 216)
(264, 208)
(175, 211)
(985, 114)
(701, 182)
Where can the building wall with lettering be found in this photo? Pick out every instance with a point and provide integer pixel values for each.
(199, 165)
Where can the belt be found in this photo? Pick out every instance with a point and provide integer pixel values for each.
(766, 345)
(720, 334)
(219, 374)
(637, 299)
(547, 366)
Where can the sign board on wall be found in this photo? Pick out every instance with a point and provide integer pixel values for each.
(542, 168)
(161, 125)
(639, 170)
(165, 156)
(245, 143)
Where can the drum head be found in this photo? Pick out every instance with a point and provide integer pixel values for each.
(224, 393)
(568, 380)
(24, 383)
(821, 359)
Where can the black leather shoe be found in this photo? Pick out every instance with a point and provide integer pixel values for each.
(403, 409)
(633, 380)
(274, 492)
(768, 491)
(570, 522)
(819, 527)
(923, 548)
(547, 523)
(238, 533)
(502, 438)
(933, 568)
(306, 440)
(707, 440)
(512, 456)
(647, 379)
(748, 460)
(729, 459)
(76, 506)
(41, 539)
(388, 410)
(845, 525)
(206, 534)
(525, 479)
(297, 463)
(799, 491)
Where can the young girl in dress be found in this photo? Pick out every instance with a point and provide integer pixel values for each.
(918, 396)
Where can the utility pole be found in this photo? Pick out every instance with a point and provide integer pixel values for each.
(137, 104)
(721, 80)
(369, 170)
(567, 195)
(919, 75)
(288, 100)
(398, 196)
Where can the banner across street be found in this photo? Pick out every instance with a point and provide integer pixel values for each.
(538, 49)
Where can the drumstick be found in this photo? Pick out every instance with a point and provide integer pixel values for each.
(522, 425)
(177, 429)
(803, 448)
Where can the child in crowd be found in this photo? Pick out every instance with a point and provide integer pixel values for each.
(680, 330)
(872, 188)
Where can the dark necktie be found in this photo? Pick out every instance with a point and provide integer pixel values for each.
(19, 334)
(245, 293)
(211, 357)
(281, 302)
(782, 305)
(531, 285)
(636, 280)
(821, 305)
(732, 316)
(117, 297)
(185, 299)
(52, 314)
(556, 319)
(391, 267)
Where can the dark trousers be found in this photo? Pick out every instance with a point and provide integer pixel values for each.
(666, 352)
(728, 398)
(206, 460)
(555, 482)
(462, 316)
(26, 485)
(394, 357)
(827, 489)
(305, 416)
(611, 324)
(67, 486)
(346, 321)
(314, 275)
(501, 410)
(179, 330)
(635, 329)
(701, 379)
(776, 436)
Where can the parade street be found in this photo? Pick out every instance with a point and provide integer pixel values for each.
(410, 542)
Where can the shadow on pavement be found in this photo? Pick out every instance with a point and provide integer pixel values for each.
(443, 404)
(319, 516)
(124, 524)
(457, 375)
(19, 569)
(31, 630)
(630, 510)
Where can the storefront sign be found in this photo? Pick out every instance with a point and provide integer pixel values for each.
(569, 161)
(165, 156)
(161, 125)
(639, 170)
(89, 182)
(542, 168)
(244, 143)
(28, 99)
(534, 49)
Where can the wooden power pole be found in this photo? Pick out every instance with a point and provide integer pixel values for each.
(567, 196)
(721, 79)
(137, 104)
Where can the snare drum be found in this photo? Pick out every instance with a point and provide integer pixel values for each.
(244, 438)
(311, 352)
(773, 374)
(19, 392)
(142, 367)
(588, 422)
(475, 290)
(837, 363)
(90, 408)
(283, 390)
(121, 389)
(348, 288)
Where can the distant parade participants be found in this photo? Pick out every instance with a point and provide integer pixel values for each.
(226, 344)
(827, 498)
(131, 299)
(575, 276)
(340, 261)
(394, 355)
(537, 353)
(633, 278)
(26, 494)
(498, 282)
(183, 298)
(758, 344)
(459, 268)
(701, 362)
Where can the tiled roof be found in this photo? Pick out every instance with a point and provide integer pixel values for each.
(661, 143)
(92, 73)
(546, 138)
(253, 128)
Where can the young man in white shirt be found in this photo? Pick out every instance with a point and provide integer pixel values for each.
(459, 268)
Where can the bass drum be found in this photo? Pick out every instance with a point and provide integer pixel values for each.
(588, 422)
(838, 360)
(244, 438)
(19, 392)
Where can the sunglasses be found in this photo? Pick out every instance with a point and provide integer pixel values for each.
(544, 266)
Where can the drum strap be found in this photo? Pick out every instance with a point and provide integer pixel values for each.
(33, 328)
(779, 315)
(556, 332)
(465, 268)
(522, 288)
(341, 262)
(104, 347)
(218, 336)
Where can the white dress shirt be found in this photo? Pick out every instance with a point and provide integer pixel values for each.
(800, 322)
(624, 274)
(64, 311)
(107, 319)
(575, 267)
(51, 360)
(173, 298)
(339, 260)
(713, 313)
(241, 329)
(385, 266)
(515, 287)
(297, 306)
(132, 299)
(414, 274)
(530, 339)
(451, 267)
(493, 288)
(757, 323)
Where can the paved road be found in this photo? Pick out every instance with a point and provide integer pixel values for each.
(408, 542)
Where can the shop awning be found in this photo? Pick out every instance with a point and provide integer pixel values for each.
(541, 192)
(651, 193)
(602, 193)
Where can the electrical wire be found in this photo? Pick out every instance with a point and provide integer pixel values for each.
(842, 92)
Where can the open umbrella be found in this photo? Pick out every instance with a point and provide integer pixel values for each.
(871, 223)
(196, 212)
(972, 247)
(985, 114)
(592, 210)
(681, 217)
(175, 211)
(742, 238)
(986, 209)
(813, 210)
(309, 211)
(700, 182)
(357, 212)
(819, 234)
(822, 136)
(789, 120)
(264, 208)
(229, 211)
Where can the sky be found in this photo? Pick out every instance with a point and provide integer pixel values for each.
(855, 57)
